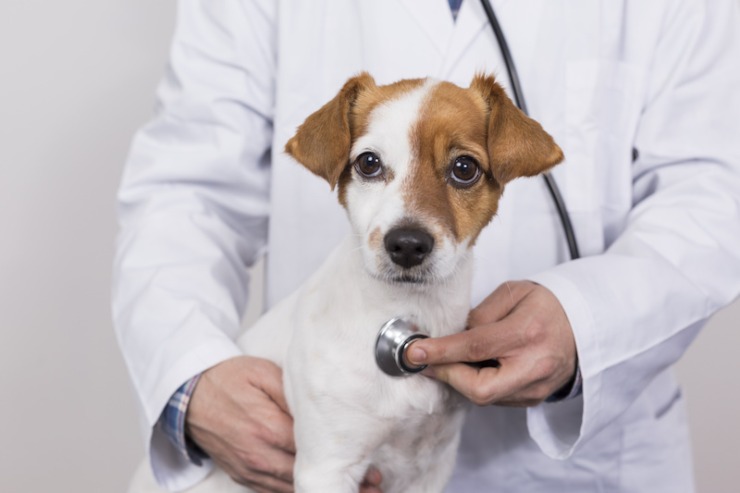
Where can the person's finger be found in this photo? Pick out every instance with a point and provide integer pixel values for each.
(498, 304)
(372, 481)
(472, 383)
(280, 422)
(263, 483)
(481, 386)
(271, 469)
(477, 344)
(373, 477)
(268, 484)
(275, 463)
(471, 345)
(271, 382)
(277, 429)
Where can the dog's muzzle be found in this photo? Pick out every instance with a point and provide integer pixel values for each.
(390, 347)
(408, 246)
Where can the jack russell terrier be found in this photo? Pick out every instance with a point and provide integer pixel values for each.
(419, 166)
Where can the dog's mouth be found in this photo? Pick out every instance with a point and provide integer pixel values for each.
(416, 276)
(408, 279)
(409, 261)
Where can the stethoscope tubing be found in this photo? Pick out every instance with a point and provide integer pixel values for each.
(397, 334)
(516, 87)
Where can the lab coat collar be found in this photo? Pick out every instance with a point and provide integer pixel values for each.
(472, 23)
(471, 20)
(435, 18)
(451, 38)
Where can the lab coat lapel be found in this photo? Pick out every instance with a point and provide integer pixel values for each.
(519, 26)
(471, 20)
(435, 19)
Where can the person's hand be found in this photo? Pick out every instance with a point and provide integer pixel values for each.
(238, 415)
(523, 326)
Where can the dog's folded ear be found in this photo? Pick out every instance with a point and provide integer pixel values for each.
(323, 142)
(517, 145)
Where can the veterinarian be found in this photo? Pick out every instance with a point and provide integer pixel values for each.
(644, 99)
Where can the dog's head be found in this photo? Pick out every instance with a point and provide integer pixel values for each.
(420, 166)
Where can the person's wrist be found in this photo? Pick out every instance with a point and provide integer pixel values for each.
(172, 423)
(570, 390)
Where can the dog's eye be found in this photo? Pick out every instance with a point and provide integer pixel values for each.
(369, 165)
(464, 172)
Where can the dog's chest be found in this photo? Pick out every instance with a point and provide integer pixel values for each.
(333, 345)
(342, 369)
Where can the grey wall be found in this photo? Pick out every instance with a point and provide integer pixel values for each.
(76, 79)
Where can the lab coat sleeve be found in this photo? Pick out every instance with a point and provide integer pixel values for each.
(193, 209)
(635, 308)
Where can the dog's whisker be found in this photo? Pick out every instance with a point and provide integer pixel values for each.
(511, 295)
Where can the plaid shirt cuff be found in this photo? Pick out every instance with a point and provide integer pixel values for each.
(173, 423)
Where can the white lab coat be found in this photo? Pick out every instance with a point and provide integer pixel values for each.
(660, 236)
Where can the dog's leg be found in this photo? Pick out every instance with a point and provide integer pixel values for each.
(334, 476)
(336, 461)
(334, 444)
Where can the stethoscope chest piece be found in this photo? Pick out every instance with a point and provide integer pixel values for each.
(390, 346)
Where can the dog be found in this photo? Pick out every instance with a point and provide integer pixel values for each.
(419, 166)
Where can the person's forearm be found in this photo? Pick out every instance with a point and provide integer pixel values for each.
(193, 206)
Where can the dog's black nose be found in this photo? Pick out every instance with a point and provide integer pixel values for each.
(408, 247)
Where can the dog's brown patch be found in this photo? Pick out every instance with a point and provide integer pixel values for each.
(323, 142)
(517, 145)
(375, 240)
(370, 99)
(453, 123)
(480, 122)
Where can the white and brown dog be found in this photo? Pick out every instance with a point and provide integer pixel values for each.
(420, 166)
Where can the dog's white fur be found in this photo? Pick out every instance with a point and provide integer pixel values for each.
(348, 414)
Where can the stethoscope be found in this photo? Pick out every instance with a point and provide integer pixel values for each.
(397, 334)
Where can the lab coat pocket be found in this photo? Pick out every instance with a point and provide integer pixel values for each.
(602, 107)
(656, 452)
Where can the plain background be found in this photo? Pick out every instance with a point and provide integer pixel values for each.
(76, 79)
